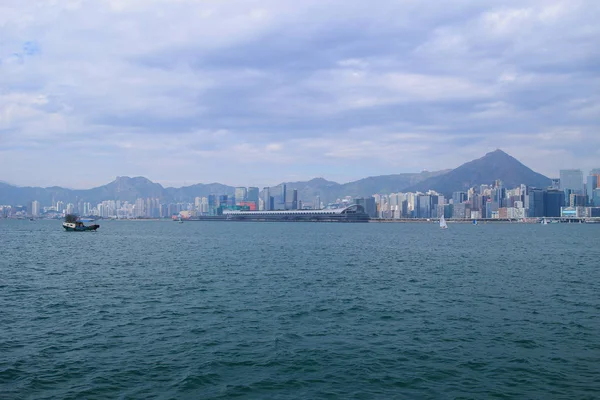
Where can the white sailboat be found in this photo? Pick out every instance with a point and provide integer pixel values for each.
(443, 224)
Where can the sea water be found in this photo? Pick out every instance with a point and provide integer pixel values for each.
(202, 310)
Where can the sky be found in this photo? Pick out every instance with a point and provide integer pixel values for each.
(256, 93)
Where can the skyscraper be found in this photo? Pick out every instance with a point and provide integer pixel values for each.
(553, 201)
(35, 208)
(536, 203)
(295, 199)
(266, 197)
(284, 195)
(240, 195)
(571, 179)
(591, 185)
(252, 195)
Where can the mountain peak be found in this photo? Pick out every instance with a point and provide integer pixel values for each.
(495, 165)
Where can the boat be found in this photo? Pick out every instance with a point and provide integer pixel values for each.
(474, 222)
(545, 222)
(79, 227)
(180, 220)
(73, 224)
(443, 224)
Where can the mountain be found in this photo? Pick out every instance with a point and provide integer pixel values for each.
(485, 170)
(494, 165)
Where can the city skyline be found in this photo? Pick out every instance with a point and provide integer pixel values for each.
(342, 89)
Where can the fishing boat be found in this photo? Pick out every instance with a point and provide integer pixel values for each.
(79, 227)
(443, 224)
(73, 224)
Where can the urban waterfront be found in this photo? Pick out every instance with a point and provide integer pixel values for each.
(295, 311)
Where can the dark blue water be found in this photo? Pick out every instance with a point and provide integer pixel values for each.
(160, 310)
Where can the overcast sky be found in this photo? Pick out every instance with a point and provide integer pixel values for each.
(260, 92)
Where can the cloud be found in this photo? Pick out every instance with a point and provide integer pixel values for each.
(252, 92)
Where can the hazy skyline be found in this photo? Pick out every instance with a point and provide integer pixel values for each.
(261, 92)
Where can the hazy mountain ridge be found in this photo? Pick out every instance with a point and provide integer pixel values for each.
(485, 170)
(496, 165)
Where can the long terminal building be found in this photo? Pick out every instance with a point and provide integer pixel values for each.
(351, 213)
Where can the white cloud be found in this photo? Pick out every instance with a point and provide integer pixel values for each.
(273, 89)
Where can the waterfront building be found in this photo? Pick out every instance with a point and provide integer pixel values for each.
(351, 213)
(596, 197)
(461, 211)
(294, 199)
(553, 201)
(536, 203)
(459, 197)
(368, 204)
(283, 196)
(240, 195)
(571, 179)
(577, 200)
(591, 185)
(252, 195)
(266, 198)
(35, 208)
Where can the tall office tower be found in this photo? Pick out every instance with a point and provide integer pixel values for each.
(590, 186)
(252, 195)
(571, 179)
(317, 205)
(35, 208)
(266, 197)
(596, 197)
(295, 199)
(459, 197)
(284, 195)
(537, 207)
(553, 201)
(241, 194)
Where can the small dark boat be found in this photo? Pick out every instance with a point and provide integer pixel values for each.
(79, 227)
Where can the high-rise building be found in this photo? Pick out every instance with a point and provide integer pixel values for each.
(459, 197)
(591, 185)
(284, 195)
(35, 208)
(295, 199)
(553, 201)
(596, 197)
(266, 198)
(536, 203)
(369, 204)
(241, 194)
(317, 205)
(571, 179)
(252, 195)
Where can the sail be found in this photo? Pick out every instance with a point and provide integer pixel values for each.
(443, 224)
